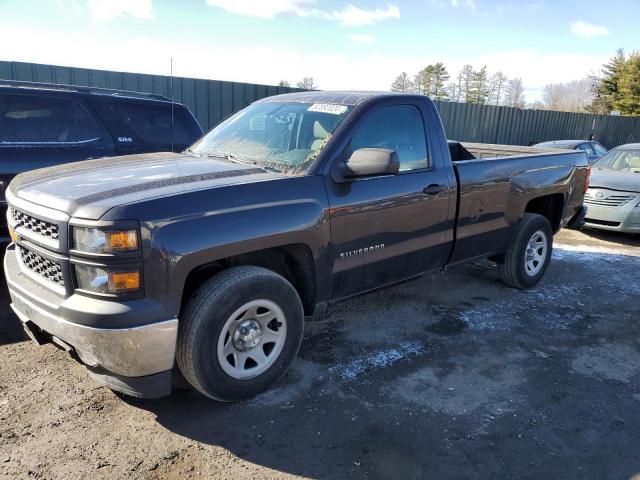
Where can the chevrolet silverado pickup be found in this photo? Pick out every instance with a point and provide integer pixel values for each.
(204, 264)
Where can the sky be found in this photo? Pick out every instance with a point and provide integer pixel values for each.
(342, 44)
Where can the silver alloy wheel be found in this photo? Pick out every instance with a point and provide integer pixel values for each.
(251, 339)
(536, 253)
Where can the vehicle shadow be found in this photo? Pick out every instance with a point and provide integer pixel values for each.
(305, 436)
(10, 328)
(628, 239)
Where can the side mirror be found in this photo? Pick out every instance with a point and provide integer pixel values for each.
(366, 162)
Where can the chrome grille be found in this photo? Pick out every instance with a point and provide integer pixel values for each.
(45, 268)
(605, 199)
(35, 225)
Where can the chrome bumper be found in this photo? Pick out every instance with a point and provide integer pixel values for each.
(129, 352)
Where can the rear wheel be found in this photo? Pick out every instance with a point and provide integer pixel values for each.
(527, 259)
(239, 333)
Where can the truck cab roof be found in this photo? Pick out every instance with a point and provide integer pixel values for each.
(341, 97)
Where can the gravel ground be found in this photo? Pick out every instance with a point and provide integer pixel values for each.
(450, 376)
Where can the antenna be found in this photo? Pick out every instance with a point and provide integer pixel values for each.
(171, 93)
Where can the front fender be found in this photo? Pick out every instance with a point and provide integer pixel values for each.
(292, 211)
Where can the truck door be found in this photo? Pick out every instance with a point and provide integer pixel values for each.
(388, 228)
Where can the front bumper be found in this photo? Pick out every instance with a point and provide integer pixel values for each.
(617, 219)
(136, 359)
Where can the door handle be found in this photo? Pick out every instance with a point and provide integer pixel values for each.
(434, 189)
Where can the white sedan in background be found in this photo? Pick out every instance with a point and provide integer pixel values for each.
(613, 198)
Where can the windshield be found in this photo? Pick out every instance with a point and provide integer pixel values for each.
(285, 137)
(621, 160)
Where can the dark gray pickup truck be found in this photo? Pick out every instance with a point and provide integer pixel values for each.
(205, 264)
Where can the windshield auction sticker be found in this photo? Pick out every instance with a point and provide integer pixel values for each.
(328, 108)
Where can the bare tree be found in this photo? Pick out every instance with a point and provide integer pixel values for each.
(307, 84)
(465, 80)
(497, 87)
(573, 96)
(283, 83)
(515, 93)
(455, 88)
(402, 83)
(538, 105)
(417, 82)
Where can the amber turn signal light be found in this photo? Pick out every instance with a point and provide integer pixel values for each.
(124, 281)
(13, 235)
(121, 240)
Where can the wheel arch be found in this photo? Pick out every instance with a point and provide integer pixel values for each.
(293, 261)
(549, 206)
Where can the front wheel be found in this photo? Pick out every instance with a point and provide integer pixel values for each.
(239, 333)
(527, 259)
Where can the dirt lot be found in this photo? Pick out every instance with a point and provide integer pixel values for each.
(450, 376)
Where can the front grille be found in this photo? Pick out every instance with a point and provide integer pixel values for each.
(607, 200)
(45, 268)
(605, 223)
(35, 225)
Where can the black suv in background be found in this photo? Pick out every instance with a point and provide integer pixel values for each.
(46, 124)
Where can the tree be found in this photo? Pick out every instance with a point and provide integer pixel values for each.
(627, 97)
(497, 86)
(402, 83)
(456, 88)
(605, 88)
(479, 88)
(417, 82)
(573, 96)
(283, 83)
(515, 93)
(465, 78)
(307, 84)
(434, 79)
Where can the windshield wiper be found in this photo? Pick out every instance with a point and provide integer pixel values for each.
(227, 156)
(233, 158)
(268, 169)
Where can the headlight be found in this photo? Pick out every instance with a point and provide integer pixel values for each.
(94, 240)
(101, 280)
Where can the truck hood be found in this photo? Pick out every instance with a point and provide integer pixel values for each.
(628, 182)
(90, 188)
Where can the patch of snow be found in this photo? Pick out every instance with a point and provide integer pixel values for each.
(351, 370)
(585, 249)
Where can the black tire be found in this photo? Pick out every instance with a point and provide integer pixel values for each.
(513, 270)
(205, 315)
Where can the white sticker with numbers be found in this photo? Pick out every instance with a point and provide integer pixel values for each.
(328, 108)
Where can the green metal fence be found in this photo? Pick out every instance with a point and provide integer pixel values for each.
(211, 101)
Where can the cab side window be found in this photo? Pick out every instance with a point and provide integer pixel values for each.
(39, 119)
(399, 128)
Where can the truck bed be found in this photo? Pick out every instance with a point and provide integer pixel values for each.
(465, 151)
(491, 199)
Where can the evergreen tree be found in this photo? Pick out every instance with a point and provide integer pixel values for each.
(440, 78)
(627, 96)
(606, 87)
(479, 87)
(427, 80)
